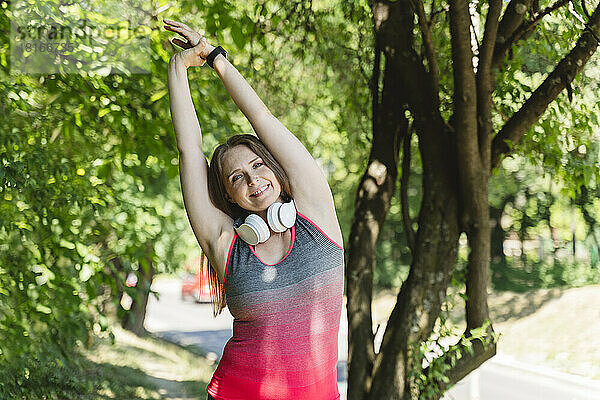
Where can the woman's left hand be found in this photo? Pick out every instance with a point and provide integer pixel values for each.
(193, 38)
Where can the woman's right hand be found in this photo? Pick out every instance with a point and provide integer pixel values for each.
(195, 50)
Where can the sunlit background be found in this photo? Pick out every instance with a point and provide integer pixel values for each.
(92, 222)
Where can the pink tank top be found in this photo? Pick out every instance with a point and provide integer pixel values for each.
(286, 320)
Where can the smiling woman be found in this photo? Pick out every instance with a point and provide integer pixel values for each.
(238, 168)
(281, 272)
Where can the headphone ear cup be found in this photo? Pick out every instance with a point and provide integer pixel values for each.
(287, 214)
(260, 225)
(273, 217)
(248, 234)
(254, 230)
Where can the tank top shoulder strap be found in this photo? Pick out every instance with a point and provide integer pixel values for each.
(316, 232)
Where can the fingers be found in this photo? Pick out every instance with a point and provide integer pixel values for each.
(192, 37)
(174, 29)
(176, 23)
(186, 35)
(178, 27)
(182, 44)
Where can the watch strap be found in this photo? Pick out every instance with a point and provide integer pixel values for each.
(211, 57)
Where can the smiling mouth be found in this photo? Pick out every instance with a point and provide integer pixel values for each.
(260, 192)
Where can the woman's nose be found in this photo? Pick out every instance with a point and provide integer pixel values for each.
(252, 180)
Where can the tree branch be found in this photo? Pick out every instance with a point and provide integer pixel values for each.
(523, 31)
(484, 82)
(465, 107)
(467, 363)
(398, 47)
(548, 91)
(429, 52)
(431, 13)
(114, 271)
(513, 17)
(374, 82)
(406, 219)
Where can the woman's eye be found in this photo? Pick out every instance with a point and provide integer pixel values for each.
(258, 163)
(235, 178)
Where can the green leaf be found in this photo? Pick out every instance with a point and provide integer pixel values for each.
(238, 36)
(67, 244)
(158, 95)
(43, 309)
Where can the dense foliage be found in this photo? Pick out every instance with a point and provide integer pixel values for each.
(89, 166)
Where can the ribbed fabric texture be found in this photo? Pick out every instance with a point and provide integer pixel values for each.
(286, 320)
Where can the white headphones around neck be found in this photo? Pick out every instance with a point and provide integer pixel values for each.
(254, 230)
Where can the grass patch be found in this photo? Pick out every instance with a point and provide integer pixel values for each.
(131, 368)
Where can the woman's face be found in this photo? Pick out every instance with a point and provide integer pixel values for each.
(249, 182)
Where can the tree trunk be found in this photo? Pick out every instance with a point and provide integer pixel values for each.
(135, 317)
(498, 235)
(372, 203)
(497, 257)
(419, 301)
(457, 158)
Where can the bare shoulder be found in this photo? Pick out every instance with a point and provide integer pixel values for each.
(323, 216)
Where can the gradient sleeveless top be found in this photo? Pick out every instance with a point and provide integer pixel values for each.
(286, 320)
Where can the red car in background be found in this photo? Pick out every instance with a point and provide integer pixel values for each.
(195, 284)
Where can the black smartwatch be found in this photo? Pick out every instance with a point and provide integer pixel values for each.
(211, 57)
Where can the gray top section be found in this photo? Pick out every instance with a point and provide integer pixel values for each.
(313, 257)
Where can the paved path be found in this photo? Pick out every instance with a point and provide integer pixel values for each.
(498, 379)
(503, 378)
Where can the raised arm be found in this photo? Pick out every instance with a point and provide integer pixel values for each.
(306, 177)
(183, 114)
(207, 221)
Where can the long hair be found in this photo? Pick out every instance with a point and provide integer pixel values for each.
(217, 192)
